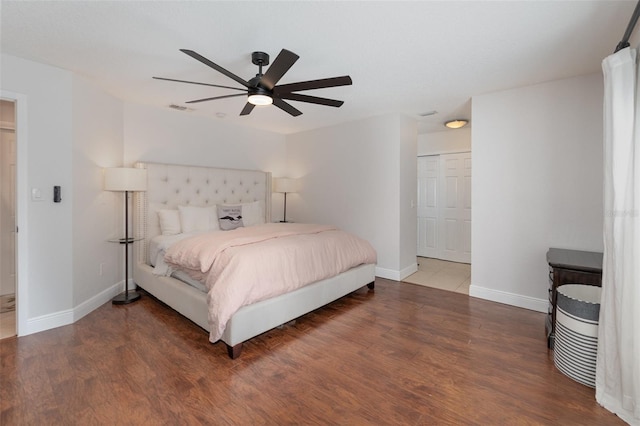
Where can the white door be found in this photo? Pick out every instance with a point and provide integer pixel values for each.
(428, 171)
(444, 219)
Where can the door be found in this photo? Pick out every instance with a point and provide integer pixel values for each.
(444, 207)
(428, 172)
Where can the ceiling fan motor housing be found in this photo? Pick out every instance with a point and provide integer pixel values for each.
(259, 90)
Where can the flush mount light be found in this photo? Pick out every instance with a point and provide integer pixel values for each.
(456, 124)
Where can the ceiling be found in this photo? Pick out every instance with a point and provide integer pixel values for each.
(403, 57)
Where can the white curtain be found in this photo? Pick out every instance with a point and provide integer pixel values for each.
(618, 363)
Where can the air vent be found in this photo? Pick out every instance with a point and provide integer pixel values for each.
(180, 107)
(427, 114)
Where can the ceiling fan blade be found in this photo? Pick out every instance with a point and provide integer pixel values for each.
(311, 99)
(216, 67)
(203, 84)
(247, 109)
(214, 98)
(345, 80)
(286, 107)
(278, 68)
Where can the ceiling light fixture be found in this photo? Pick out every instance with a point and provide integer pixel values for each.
(456, 124)
(260, 100)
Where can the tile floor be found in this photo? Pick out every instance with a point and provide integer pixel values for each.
(7, 324)
(7, 316)
(441, 274)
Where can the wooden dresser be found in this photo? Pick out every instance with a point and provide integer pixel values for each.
(569, 267)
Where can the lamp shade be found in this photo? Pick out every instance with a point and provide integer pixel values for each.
(125, 179)
(285, 185)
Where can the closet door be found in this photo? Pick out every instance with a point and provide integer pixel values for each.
(454, 226)
(428, 171)
(444, 207)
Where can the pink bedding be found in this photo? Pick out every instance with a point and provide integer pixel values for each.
(247, 265)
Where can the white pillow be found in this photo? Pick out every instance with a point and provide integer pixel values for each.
(169, 222)
(252, 213)
(194, 218)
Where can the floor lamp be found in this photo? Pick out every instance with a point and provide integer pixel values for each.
(285, 185)
(122, 179)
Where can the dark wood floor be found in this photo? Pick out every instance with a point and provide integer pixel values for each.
(403, 354)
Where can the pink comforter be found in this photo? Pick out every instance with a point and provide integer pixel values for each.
(247, 265)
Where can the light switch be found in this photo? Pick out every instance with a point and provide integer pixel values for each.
(36, 194)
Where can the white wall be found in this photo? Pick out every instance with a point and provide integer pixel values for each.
(49, 254)
(537, 183)
(97, 215)
(445, 142)
(360, 176)
(70, 130)
(165, 135)
(408, 191)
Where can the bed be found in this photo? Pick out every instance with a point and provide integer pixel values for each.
(170, 186)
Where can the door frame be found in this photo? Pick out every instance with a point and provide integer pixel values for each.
(22, 181)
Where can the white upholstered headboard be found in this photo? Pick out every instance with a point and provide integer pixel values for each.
(170, 185)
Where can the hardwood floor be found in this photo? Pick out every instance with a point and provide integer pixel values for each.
(404, 354)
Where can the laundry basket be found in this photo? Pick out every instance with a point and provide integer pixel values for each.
(576, 342)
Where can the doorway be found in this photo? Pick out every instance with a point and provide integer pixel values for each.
(8, 281)
(444, 207)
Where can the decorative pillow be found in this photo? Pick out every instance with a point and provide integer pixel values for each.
(251, 213)
(194, 218)
(169, 222)
(230, 217)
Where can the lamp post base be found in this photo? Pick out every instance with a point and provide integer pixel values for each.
(125, 298)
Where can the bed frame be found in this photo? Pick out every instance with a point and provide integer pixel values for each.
(171, 185)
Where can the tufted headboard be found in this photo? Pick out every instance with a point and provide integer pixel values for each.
(170, 185)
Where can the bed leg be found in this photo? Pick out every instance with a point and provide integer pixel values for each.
(371, 285)
(234, 351)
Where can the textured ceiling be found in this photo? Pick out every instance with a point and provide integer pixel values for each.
(403, 57)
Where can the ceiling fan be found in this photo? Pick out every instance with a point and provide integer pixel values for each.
(263, 89)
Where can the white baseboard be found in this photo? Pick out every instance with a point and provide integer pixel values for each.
(531, 303)
(96, 301)
(395, 275)
(47, 322)
(69, 316)
(404, 273)
(389, 274)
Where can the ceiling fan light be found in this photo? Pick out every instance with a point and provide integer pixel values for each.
(260, 100)
(456, 124)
